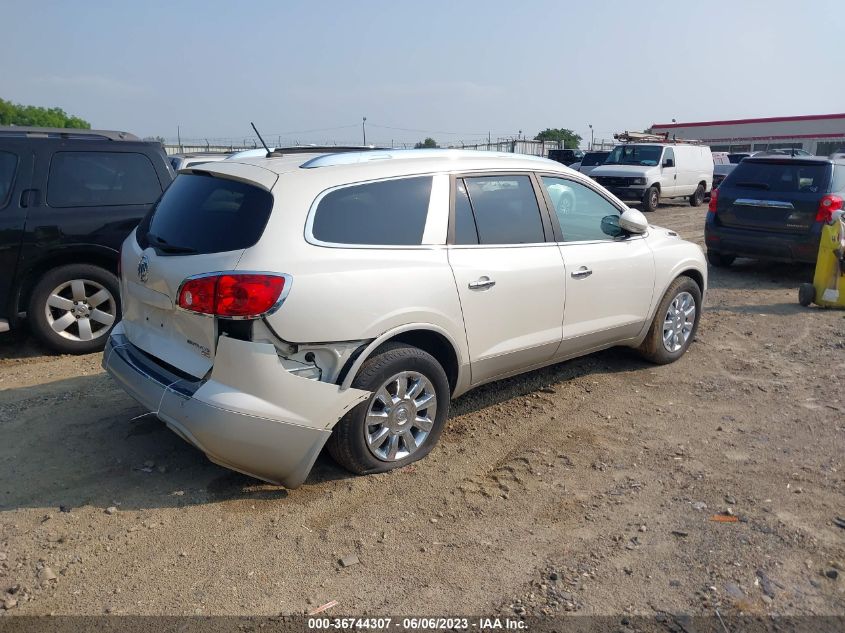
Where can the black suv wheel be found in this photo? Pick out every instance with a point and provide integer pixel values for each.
(73, 308)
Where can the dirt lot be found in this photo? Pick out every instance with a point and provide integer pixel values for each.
(587, 487)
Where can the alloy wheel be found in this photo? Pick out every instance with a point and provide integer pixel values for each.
(81, 310)
(400, 416)
(678, 322)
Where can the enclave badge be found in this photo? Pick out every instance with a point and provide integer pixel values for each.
(143, 269)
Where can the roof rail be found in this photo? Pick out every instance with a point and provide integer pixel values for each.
(645, 137)
(351, 158)
(321, 149)
(69, 133)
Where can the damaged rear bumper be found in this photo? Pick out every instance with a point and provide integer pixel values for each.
(250, 415)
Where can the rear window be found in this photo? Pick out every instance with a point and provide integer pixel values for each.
(784, 177)
(387, 213)
(203, 214)
(96, 179)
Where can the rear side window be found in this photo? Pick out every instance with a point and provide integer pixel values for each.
(784, 177)
(386, 213)
(94, 179)
(204, 214)
(505, 209)
(8, 165)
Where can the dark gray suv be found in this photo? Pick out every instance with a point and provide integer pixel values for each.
(773, 208)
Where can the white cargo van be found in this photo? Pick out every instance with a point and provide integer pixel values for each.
(648, 172)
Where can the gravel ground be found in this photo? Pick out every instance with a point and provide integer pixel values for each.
(599, 486)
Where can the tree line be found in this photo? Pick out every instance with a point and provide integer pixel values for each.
(567, 137)
(36, 116)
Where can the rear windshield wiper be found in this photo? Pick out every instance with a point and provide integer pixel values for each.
(161, 244)
(752, 185)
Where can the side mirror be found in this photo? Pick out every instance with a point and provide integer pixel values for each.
(632, 221)
(610, 226)
(668, 163)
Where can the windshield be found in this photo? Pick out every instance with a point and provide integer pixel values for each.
(635, 155)
(594, 158)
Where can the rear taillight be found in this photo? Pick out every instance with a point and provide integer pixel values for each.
(714, 201)
(240, 295)
(827, 206)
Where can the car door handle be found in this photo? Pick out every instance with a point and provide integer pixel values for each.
(581, 273)
(481, 284)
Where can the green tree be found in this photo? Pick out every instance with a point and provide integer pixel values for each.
(17, 114)
(426, 144)
(569, 138)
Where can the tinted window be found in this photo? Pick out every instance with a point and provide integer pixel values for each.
(8, 164)
(92, 179)
(506, 210)
(388, 213)
(203, 214)
(593, 158)
(465, 232)
(789, 177)
(583, 214)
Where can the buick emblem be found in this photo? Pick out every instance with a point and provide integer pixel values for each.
(143, 269)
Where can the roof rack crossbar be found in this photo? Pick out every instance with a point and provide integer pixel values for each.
(645, 137)
(61, 132)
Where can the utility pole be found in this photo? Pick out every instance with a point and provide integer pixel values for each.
(364, 129)
(592, 135)
(179, 137)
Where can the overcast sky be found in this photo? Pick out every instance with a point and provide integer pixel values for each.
(456, 70)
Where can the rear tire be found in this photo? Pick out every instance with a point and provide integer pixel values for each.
(73, 308)
(671, 331)
(380, 434)
(806, 294)
(651, 199)
(720, 260)
(697, 198)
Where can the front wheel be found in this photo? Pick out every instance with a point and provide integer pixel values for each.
(674, 324)
(697, 198)
(73, 308)
(402, 419)
(651, 199)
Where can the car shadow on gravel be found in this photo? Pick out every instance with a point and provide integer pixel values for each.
(749, 274)
(82, 442)
(19, 343)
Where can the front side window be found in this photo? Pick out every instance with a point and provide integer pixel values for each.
(386, 213)
(8, 165)
(94, 179)
(505, 209)
(668, 155)
(583, 214)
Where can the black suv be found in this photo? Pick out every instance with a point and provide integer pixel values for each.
(68, 199)
(773, 207)
(566, 156)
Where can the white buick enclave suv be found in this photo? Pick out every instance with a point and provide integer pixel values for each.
(275, 305)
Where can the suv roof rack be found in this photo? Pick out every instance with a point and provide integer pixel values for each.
(321, 149)
(645, 137)
(353, 157)
(69, 133)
